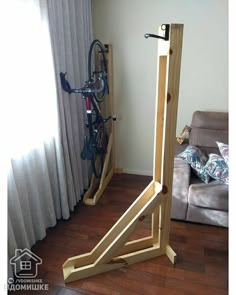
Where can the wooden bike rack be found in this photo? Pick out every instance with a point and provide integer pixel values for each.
(115, 250)
(98, 185)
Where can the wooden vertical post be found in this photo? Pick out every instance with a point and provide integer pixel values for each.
(110, 81)
(173, 55)
(115, 250)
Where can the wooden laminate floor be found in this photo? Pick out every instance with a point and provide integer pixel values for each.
(202, 251)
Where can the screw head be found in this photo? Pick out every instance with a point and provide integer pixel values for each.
(141, 218)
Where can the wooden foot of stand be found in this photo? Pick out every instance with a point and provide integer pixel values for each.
(115, 249)
(171, 254)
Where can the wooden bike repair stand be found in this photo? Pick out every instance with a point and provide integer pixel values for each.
(115, 250)
(98, 185)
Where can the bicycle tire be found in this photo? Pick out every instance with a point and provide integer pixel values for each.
(95, 68)
(99, 151)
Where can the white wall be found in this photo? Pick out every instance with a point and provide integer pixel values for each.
(204, 71)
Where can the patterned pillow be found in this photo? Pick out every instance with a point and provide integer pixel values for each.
(197, 160)
(217, 168)
(224, 150)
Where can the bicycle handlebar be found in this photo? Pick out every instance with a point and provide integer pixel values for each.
(64, 83)
(86, 89)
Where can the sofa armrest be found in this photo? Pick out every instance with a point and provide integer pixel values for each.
(181, 182)
(179, 148)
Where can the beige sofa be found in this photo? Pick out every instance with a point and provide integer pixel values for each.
(192, 199)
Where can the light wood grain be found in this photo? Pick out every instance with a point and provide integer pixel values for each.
(114, 250)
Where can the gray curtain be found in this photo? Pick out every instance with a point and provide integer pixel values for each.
(46, 181)
(71, 35)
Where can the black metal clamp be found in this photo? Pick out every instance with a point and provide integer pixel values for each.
(165, 28)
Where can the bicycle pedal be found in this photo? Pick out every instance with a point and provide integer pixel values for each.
(114, 118)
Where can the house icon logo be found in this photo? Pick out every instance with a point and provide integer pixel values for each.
(25, 264)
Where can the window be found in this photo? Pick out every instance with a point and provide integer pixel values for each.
(30, 105)
(25, 265)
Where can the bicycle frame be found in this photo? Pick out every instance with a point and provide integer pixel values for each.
(93, 92)
(91, 105)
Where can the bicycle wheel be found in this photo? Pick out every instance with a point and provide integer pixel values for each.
(97, 69)
(99, 151)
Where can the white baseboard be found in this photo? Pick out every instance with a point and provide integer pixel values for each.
(137, 172)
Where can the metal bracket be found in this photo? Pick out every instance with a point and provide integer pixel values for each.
(164, 27)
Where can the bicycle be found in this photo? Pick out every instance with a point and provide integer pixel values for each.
(93, 92)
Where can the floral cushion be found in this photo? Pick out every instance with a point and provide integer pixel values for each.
(197, 160)
(217, 168)
(224, 150)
